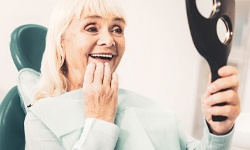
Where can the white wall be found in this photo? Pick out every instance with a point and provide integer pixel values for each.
(246, 104)
(160, 60)
(14, 13)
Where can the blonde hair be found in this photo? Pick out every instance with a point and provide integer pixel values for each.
(53, 81)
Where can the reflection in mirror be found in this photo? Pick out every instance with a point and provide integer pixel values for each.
(207, 8)
(223, 31)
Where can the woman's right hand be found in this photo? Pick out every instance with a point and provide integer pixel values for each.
(100, 92)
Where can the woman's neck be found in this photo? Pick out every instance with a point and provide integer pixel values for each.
(74, 82)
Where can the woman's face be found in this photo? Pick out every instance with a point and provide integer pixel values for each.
(92, 39)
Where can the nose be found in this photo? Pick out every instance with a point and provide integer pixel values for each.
(105, 39)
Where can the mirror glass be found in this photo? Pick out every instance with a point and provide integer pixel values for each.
(223, 32)
(207, 8)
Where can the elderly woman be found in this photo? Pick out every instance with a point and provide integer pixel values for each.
(80, 107)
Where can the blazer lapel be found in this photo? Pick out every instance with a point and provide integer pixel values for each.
(132, 135)
(64, 114)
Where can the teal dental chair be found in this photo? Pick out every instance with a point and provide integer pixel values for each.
(27, 46)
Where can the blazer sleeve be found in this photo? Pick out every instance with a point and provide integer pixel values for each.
(214, 142)
(208, 141)
(96, 135)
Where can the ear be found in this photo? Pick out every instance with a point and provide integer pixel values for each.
(62, 49)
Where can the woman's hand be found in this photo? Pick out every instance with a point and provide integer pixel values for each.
(212, 96)
(100, 90)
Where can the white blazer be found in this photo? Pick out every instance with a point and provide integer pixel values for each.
(58, 123)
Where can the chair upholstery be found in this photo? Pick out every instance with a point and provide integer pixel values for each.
(11, 122)
(27, 45)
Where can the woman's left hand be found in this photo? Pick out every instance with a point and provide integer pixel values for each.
(213, 95)
(100, 92)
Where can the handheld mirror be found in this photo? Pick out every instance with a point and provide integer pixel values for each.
(205, 36)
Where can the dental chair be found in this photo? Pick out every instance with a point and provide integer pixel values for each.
(27, 45)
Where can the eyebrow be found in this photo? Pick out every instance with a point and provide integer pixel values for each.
(94, 16)
(119, 19)
(115, 19)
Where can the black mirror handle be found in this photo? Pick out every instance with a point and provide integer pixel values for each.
(205, 37)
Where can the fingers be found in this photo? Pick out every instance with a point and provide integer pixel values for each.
(101, 94)
(230, 111)
(107, 74)
(226, 96)
(98, 75)
(228, 82)
(89, 74)
(101, 74)
(110, 79)
(227, 71)
(223, 90)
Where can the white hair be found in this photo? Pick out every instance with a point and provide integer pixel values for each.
(53, 81)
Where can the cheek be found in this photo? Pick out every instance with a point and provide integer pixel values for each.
(78, 49)
(121, 46)
(76, 57)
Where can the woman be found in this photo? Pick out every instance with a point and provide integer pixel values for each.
(80, 107)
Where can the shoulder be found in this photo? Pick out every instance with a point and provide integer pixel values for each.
(131, 99)
(59, 106)
(61, 114)
(64, 100)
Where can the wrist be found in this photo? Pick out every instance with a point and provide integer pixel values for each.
(212, 131)
(107, 119)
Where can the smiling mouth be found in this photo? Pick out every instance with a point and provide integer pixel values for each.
(102, 56)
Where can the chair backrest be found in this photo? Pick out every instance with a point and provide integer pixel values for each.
(27, 45)
(11, 122)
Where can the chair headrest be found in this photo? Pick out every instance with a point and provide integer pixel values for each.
(27, 45)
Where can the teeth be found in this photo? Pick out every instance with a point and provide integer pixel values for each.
(101, 55)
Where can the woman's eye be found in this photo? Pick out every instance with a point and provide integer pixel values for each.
(117, 31)
(91, 29)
